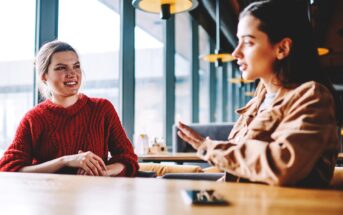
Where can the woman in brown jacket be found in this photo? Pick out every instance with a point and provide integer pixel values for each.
(286, 135)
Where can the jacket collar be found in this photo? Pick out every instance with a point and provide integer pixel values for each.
(251, 108)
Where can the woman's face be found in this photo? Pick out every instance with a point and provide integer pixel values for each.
(254, 53)
(64, 74)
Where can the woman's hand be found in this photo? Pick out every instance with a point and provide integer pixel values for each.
(190, 136)
(87, 162)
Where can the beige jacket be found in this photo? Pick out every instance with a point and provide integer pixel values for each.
(294, 142)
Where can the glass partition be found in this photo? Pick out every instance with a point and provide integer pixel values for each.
(17, 42)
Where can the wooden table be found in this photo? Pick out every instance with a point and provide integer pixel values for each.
(23, 193)
(171, 157)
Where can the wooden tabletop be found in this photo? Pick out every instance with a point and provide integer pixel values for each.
(23, 193)
(171, 157)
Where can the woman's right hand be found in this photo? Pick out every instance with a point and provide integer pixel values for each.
(87, 161)
(190, 136)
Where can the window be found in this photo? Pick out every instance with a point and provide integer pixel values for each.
(149, 74)
(16, 65)
(93, 29)
(183, 43)
(204, 49)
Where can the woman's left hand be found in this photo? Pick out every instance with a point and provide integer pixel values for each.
(190, 136)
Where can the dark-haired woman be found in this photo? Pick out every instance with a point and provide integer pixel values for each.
(286, 135)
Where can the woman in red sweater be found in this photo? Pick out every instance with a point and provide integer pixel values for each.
(69, 132)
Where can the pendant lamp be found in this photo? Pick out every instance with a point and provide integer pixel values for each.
(165, 7)
(321, 51)
(219, 57)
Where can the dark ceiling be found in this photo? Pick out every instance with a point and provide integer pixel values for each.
(326, 18)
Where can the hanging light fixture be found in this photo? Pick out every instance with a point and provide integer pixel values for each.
(219, 57)
(165, 7)
(323, 51)
(320, 50)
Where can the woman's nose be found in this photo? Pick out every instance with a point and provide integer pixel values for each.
(71, 71)
(237, 53)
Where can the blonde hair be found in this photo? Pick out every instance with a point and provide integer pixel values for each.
(43, 60)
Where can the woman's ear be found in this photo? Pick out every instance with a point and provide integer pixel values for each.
(43, 78)
(283, 48)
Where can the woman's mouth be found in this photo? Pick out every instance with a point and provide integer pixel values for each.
(70, 83)
(242, 66)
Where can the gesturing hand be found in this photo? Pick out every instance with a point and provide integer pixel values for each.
(87, 162)
(190, 136)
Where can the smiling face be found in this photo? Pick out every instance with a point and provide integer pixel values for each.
(254, 53)
(64, 74)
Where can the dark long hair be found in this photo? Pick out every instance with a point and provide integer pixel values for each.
(280, 19)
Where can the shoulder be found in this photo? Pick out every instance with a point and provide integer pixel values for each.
(310, 95)
(100, 102)
(103, 105)
(312, 87)
(312, 90)
(38, 111)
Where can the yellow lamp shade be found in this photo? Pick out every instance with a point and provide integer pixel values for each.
(158, 6)
(323, 51)
(249, 93)
(223, 57)
(240, 81)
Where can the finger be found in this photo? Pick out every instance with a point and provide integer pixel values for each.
(190, 138)
(81, 172)
(187, 130)
(182, 126)
(92, 167)
(97, 166)
(185, 137)
(100, 169)
(80, 151)
(85, 167)
(101, 162)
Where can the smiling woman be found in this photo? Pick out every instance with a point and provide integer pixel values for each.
(69, 132)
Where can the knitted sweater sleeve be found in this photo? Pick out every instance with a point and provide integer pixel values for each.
(19, 153)
(119, 145)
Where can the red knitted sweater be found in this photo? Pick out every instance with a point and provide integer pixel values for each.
(50, 131)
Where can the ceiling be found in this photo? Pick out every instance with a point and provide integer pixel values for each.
(326, 18)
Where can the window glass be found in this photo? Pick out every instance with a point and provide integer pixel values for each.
(92, 27)
(183, 46)
(17, 41)
(149, 74)
(204, 49)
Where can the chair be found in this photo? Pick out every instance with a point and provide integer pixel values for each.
(215, 131)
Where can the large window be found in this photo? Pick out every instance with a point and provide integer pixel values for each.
(16, 64)
(93, 28)
(183, 46)
(204, 49)
(149, 75)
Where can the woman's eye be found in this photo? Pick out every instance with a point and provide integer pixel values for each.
(77, 67)
(247, 43)
(60, 68)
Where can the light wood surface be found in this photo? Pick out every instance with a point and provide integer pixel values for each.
(47, 194)
(172, 157)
